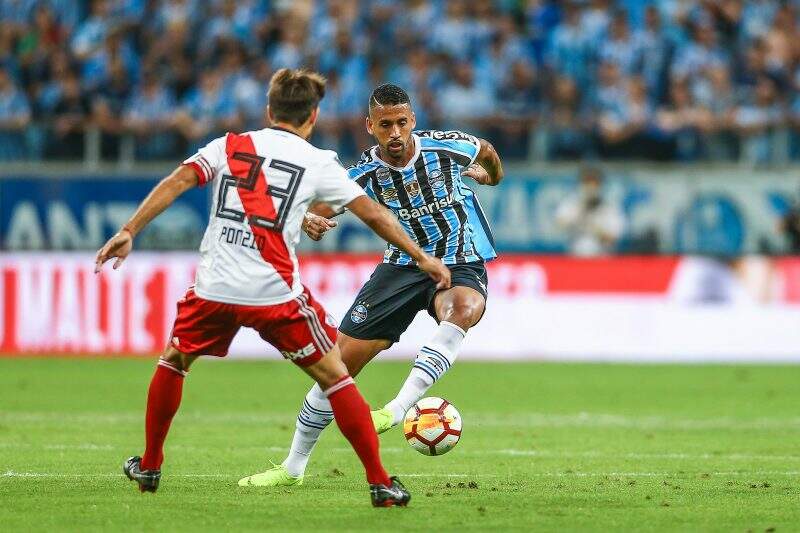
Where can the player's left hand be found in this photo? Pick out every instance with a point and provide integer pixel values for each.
(315, 226)
(119, 246)
(478, 173)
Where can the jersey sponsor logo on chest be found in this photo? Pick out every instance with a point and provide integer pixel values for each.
(428, 209)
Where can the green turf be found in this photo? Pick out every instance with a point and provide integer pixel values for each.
(545, 446)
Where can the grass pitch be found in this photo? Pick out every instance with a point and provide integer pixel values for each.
(545, 447)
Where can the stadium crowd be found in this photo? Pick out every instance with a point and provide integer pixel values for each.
(661, 79)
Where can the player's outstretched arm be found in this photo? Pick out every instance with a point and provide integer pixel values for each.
(487, 168)
(120, 245)
(386, 226)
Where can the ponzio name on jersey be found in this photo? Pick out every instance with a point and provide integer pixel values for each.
(427, 209)
(242, 237)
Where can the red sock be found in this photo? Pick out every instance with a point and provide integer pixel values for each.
(354, 421)
(163, 400)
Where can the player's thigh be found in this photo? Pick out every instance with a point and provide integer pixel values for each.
(386, 304)
(465, 301)
(356, 353)
(202, 327)
(300, 329)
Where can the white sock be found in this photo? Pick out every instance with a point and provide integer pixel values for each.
(314, 416)
(433, 360)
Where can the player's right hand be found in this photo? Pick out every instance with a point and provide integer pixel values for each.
(437, 270)
(315, 226)
(119, 246)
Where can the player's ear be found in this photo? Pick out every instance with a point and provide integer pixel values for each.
(413, 120)
(368, 123)
(312, 119)
(270, 116)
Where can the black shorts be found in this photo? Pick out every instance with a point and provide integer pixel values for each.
(393, 295)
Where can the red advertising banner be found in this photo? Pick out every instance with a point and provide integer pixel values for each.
(55, 304)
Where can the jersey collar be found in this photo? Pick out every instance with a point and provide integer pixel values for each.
(284, 130)
(410, 164)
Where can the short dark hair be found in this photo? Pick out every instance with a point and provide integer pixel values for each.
(388, 94)
(294, 94)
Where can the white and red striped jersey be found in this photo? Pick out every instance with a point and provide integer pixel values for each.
(263, 184)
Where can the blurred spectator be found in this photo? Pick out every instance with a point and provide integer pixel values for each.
(593, 222)
(91, 33)
(235, 21)
(595, 21)
(619, 48)
(789, 225)
(206, 111)
(38, 42)
(675, 78)
(15, 114)
(518, 105)
(569, 49)
(700, 53)
(655, 49)
(627, 127)
(149, 117)
(455, 32)
(250, 94)
(70, 118)
(289, 50)
(569, 134)
(757, 119)
(464, 103)
(109, 106)
(681, 119)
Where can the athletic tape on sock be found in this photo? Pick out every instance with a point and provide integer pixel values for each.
(339, 385)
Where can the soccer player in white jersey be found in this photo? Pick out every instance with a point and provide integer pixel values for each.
(264, 182)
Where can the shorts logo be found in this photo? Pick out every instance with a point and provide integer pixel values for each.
(330, 321)
(389, 194)
(436, 178)
(309, 349)
(412, 188)
(482, 284)
(176, 341)
(383, 176)
(359, 314)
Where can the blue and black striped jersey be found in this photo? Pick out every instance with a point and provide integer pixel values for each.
(429, 197)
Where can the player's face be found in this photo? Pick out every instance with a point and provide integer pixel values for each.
(391, 126)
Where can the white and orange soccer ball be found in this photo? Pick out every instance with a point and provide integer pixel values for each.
(432, 426)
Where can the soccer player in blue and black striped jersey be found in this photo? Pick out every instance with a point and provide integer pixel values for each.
(419, 175)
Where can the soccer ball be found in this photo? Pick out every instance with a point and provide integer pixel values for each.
(432, 426)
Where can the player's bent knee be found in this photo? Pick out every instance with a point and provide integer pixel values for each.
(178, 359)
(464, 312)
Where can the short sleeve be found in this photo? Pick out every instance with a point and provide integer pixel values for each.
(465, 143)
(463, 147)
(208, 160)
(362, 179)
(335, 187)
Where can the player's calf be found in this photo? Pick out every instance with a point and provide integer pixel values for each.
(314, 416)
